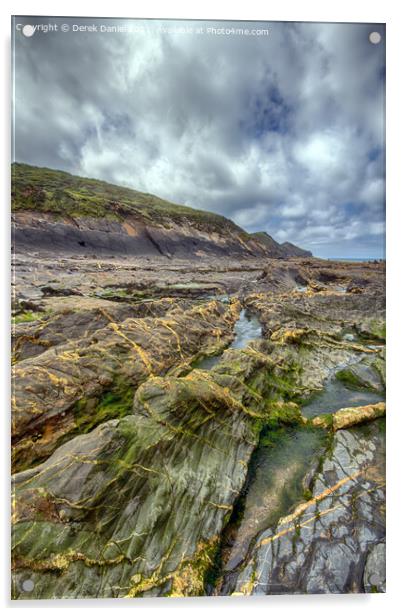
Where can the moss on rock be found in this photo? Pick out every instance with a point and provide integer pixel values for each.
(84, 382)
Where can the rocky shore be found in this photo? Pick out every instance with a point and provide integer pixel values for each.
(199, 427)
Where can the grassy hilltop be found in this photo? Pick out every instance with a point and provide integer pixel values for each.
(47, 190)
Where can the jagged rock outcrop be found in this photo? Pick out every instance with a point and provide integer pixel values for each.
(118, 498)
(280, 251)
(327, 312)
(75, 386)
(135, 507)
(68, 321)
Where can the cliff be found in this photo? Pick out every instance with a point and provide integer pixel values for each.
(54, 211)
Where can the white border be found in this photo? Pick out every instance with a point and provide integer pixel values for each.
(296, 10)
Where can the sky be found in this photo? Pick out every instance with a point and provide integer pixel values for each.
(281, 131)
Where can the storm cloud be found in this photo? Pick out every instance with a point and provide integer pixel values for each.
(281, 132)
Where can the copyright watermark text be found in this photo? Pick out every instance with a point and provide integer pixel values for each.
(140, 28)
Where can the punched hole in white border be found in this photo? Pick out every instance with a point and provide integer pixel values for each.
(375, 38)
(28, 585)
(28, 30)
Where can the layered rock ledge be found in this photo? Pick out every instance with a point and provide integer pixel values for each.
(75, 386)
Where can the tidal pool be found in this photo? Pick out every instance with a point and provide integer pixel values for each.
(279, 475)
(335, 396)
(275, 483)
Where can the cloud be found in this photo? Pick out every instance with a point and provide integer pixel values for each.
(283, 133)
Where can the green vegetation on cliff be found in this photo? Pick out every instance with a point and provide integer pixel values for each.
(57, 192)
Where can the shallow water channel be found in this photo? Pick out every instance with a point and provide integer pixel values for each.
(275, 483)
(247, 328)
(279, 473)
(279, 466)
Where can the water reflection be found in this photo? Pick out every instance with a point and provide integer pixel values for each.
(247, 328)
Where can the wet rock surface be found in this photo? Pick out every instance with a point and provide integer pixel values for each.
(364, 375)
(137, 505)
(275, 480)
(345, 418)
(330, 543)
(144, 470)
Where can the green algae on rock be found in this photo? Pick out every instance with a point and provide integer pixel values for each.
(324, 545)
(367, 375)
(348, 417)
(135, 507)
(69, 320)
(59, 391)
(133, 462)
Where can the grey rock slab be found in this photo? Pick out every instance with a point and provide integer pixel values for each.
(335, 542)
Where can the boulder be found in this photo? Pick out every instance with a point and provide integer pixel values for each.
(363, 375)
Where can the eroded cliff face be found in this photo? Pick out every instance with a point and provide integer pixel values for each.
(56, 212)
(136, 470)
(131, 235)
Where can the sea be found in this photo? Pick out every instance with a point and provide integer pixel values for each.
(355, 259)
